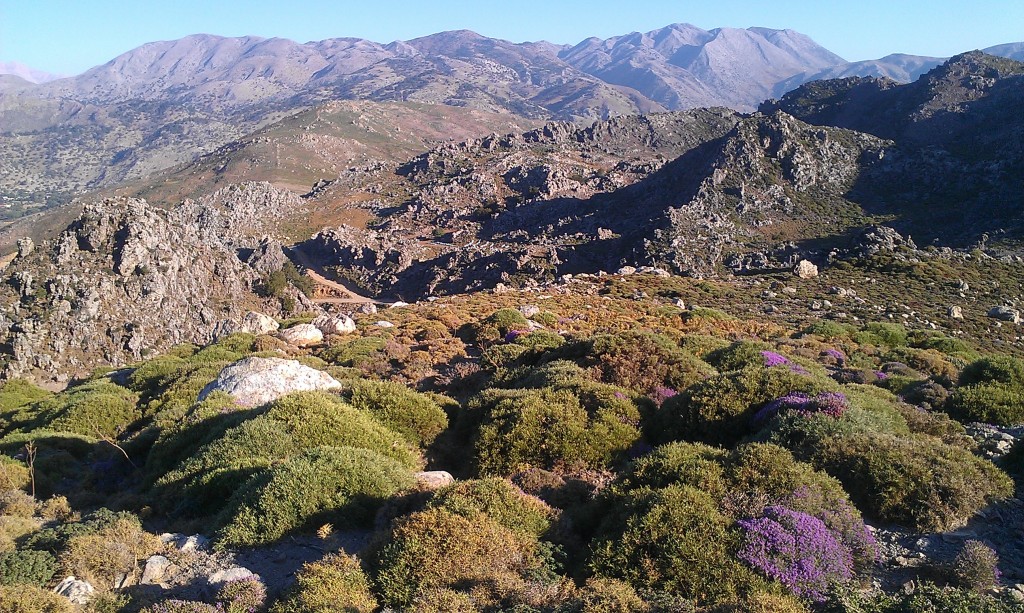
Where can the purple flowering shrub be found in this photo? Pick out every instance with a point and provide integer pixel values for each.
(842, 518)
(797, 550)
(836, 355)
(833, 404)
(184, 606)
(247, 595)
(661, 393)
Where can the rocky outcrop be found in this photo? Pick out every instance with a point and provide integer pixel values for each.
(257, 381)
(124, 280)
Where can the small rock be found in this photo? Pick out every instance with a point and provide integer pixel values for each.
(626, 270)
(384, 324)
(368, 308)
(1005, 313)
(529, 310)
(301, 335)
(258, 323)
(231, 574)
(789, 291)
(25, 246)
(156, 568)
(680, 304)
(398, 305)
(78, 592)
(434, 479)
(335, 324)
(805, 269)
(955, 312)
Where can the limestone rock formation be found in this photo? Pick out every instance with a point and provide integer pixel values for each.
(256, 381)
(301, 335)
(123, 280)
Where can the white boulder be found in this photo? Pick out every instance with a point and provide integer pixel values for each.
(256, 381)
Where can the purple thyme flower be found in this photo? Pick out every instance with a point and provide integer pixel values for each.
(796, 549)
(774, 359)
(661, 394)
(514, 334)
(837, 355)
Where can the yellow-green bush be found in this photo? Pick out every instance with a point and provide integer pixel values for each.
(335, 583)
(643, 361)
(548, 428)
(436, 549)
(117, 548)
(342, 486)
(602, 595)
(500, 500)
(673, 539)
(719, 410)
(412, 414)
(31, 599)
(98, 408)
(204, 482)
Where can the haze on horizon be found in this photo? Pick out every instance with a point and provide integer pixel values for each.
(69, 37)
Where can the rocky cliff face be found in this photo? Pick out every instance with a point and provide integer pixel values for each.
(122, 281)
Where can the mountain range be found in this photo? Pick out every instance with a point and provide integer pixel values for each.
(165, 103)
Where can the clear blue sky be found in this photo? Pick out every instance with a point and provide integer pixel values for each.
(70, 36)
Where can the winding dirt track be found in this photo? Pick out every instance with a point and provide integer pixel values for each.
(332, 291)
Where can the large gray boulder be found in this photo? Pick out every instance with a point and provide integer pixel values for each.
(301, 335)
(256, 381)
(335, 324)
(78, 592)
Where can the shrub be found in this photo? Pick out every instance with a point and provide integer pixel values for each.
(993, 403)
(27, 567)
(16, 503)
(763, 602)
(547, 428)
(335, 583)
(247, 595)
(436, 549)
(740, 355)
(881, 333)
(98, 408)
(306, 420)
(32, 599)
(915, 480)
(115, 549)
(674, 539)
(643, 361)
(13, 474)
(340, 485)
(181, 606)
(797, 550)
(413, 415)
(499, 500)
(976, 567)
(15, 393)
(719, 410)
(602, 595)
(498, 324)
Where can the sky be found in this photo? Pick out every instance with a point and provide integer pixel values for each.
(69, 36)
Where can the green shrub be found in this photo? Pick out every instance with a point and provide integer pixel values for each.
(98, 408)
(342, 486)
(829, 330)
(32, 599)
(412, 414)
(602, 595)
(204, 482)
(643, 361)
(335, 583)
(882, 334)
(499, 500)
(354, 353)
(763, 602)
(719, 410)
(739, 355)
(673, 539)
(993, 403)
(27, 567)
(914, 480)
(701, 345)
(976, 567)
(550, 428)
(17, 503)
(247, 595)
(435, 549)
(63, 460)
(15, 393)
(55, 538)
(498, 324)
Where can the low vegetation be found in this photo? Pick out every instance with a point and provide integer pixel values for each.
(630, 456)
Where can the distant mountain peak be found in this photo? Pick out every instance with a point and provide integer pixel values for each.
(26, 73)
